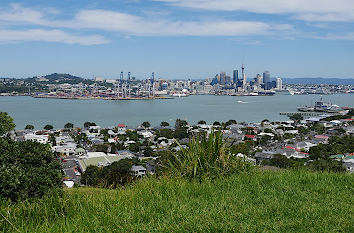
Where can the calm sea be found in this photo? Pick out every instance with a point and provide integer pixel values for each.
(106, 113)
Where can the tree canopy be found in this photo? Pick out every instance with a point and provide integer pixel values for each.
(145, 124)
(27, 169)
(296, 117)
(48, 127)
(164, 124)
(88, 124)
(29, 127)
(69, 125)
(6, 123)
(112, 176)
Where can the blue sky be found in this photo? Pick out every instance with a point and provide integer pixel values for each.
(177, 38)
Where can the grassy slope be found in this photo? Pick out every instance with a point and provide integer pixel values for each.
(281, 202)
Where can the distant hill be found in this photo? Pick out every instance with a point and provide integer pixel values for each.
(333, 81)
(57, 78)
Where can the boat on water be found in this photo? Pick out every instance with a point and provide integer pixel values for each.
(241, 102)
(321, 106)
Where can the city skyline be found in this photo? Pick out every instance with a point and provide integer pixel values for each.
(177, 39)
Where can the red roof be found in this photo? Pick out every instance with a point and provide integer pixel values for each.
(296, 149)
(250, 136)
(292, 148)
(349, 119)
(121, 125)
(321, 137)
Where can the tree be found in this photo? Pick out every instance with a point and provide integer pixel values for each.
(69, 126)
(231, 122)
(326, 165)
(201, 122)
(90, 176)
(167, 133)
(88, 124)
(113, 148)
(134, 147)
(30, 127)
(268, 131)
(180, 124)
(28, 169)
(118, 173)
(164, 124)
(148, 151)
(319, 152)
(52, 139)
(296, 117)
(101, 148)
(280, 161)
(48, 127)
(145, 124)
(216, 123)
(6, 123)
(264, 140)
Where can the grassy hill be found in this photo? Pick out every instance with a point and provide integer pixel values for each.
(286, 201)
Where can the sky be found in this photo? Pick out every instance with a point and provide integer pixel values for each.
(177, 39)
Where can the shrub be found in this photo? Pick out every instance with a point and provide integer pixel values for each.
(27, 169)
(206, 157)
(112, 176)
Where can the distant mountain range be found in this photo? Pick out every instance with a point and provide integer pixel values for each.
(333, 81)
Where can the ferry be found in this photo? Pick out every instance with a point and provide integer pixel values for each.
(321, 106)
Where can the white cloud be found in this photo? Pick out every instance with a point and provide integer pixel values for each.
(18, 14)
(10, 36)
(330, 17)
(309, 10)
(139, 26)
(347, 36)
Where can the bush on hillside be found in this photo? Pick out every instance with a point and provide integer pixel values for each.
(27, 169)
(206, 158)
(112, 176)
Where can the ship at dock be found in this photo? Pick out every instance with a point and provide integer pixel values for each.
(321, 106)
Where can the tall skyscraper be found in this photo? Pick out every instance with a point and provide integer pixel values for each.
(222, 78)
(259, 79)
(235, 77)
(244, 79)
(266, 80)
(279, 84)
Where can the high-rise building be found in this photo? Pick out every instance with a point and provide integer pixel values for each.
(279, 84)
(266, 80)
(259, 79)
(235, 77)
(227, 80)
(244, 79)
(222, 78)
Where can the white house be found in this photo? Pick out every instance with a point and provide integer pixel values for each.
(38, 138)
(138, 171)
(146, 134)
(68, 149)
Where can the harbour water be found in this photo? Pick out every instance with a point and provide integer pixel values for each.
(106, 113)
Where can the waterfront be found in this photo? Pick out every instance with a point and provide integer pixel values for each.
(39, 112)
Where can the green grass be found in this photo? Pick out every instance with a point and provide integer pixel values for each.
(287, 201)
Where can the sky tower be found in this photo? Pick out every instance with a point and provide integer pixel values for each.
(244, 80)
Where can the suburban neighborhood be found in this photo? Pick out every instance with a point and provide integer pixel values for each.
(258, 143)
